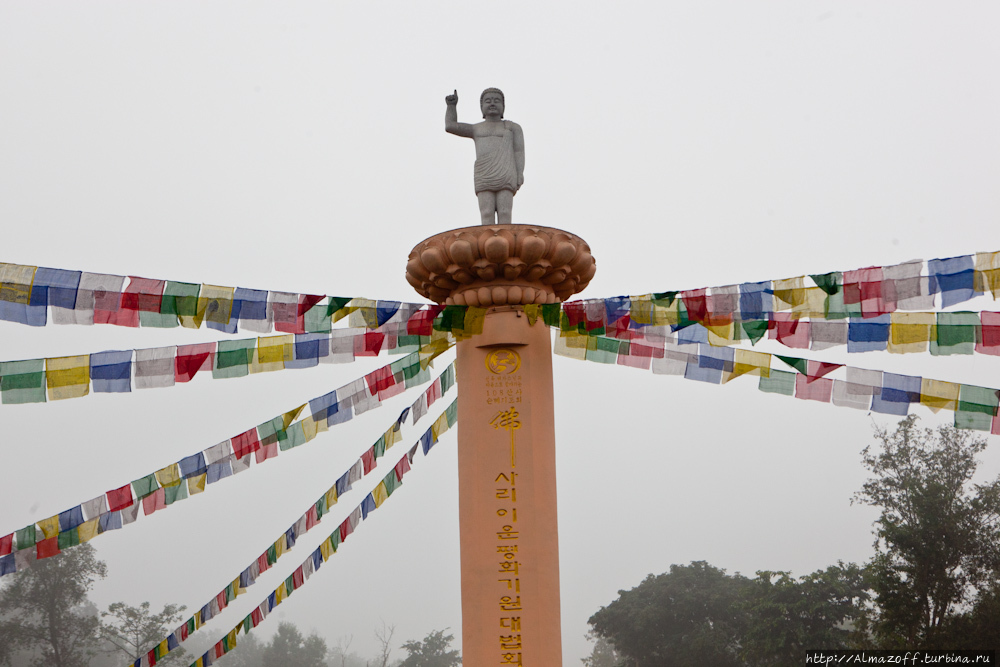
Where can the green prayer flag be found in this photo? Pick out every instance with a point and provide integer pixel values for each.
(272, 555)
(602, 350)
(335, 540)
(828, 282)
(975, 421)
(295, 436)
(22, 381)
(551, 312)
(390, 482)
(978, 399)
(664, 299)
(956, 333)
(233, 358)
(145, 486)
(26, 537)
(423, 376)
(190, 625)
(317, 320)
(321, 507)
(835, 309)
(408, 344)
(178, 299)
(69, 538)
(755, 330)
(175, 492)
(271, 431)
(779, 382)
(451, 318)
(379, 447)
(336, 303)
(801, 365)
(290, 584)
(451, 414)
(447, 379)
(247, 624)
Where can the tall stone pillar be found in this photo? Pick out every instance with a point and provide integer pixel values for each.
(506, 437)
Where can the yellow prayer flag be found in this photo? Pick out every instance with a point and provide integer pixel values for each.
(331, 497)
(67, 377)
(380, 495)
(279, 546)
(237, 589)
(169, 475)
(393, 435)
(910, 332)
(88, 530)
(216, 303)
(50, 526)
(814, 304)
(326, 550)
(232, 636)
(987, 275)
(532, 310)
(280, 593)
(196, 484)
(749, 362)
(641, 309)
(439, 426)
(275, 350)
(309, 427)
(15, 282)
(789, 293)
(164, 648)
(720, 335)
(363, 313)
(290, 416)
(571, 345)
(474, 318)
(937, 394)
(432, 349)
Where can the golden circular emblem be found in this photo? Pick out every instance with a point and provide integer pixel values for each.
(503, 361)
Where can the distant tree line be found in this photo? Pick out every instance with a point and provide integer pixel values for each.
(933, 583)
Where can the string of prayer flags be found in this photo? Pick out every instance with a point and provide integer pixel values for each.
(282, 545)
(888, 393)
(27, 293)
(39, 380)
(192, 474)
(863, 293)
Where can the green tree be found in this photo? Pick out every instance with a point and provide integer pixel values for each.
(289, 647)
(784, 617)
(45, 605)
(434, 651)
(685, 617)
(133, 631)
(938, 535)
(603, 654)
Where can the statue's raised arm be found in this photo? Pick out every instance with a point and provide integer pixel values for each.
(499, 170)
(451, 123)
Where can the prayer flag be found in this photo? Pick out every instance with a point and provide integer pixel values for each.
(154, 367)
(868, 335)
(193, 358)
(954, 278)
(22, 381)
(119, 498)
(988, 341)
(956, 333)
(111, 372)
(910, 332)
(216, 303)
(253, 312)
(67, 377)
(936, 394)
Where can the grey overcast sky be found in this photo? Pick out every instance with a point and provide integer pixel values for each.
(299, 146)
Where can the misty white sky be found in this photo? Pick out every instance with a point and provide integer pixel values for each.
(299, 146)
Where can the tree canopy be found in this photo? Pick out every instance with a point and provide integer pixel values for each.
(434, 651)
(133, 631)
(45, 604)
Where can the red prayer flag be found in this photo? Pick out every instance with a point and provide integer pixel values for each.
(379, 379)
(154, 501)
(368, 460)
(813, 389)
(421, 323)
(402, 468)
(576, 312)
(141, 295)
(394, 389)
(105, 306)
(48, 547)
(266, 452)
(256, 616)
(6, 544)
(790, 332)
(989, 338)
(221, 599)
(696, 304)
(119, 499)
(151, 657)
(368, 345)
(245, 443)
(818, 369)
(191, 359)
(345, 529)
(262, 563)
(311, 518)
(298, 578)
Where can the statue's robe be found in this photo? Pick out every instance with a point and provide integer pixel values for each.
(495, 167)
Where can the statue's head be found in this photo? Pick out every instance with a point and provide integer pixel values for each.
(491, 97)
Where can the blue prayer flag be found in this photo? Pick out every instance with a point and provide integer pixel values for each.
(70, 519)
(192, 466)
(868, 335)
(367, 506)
(111, 372)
